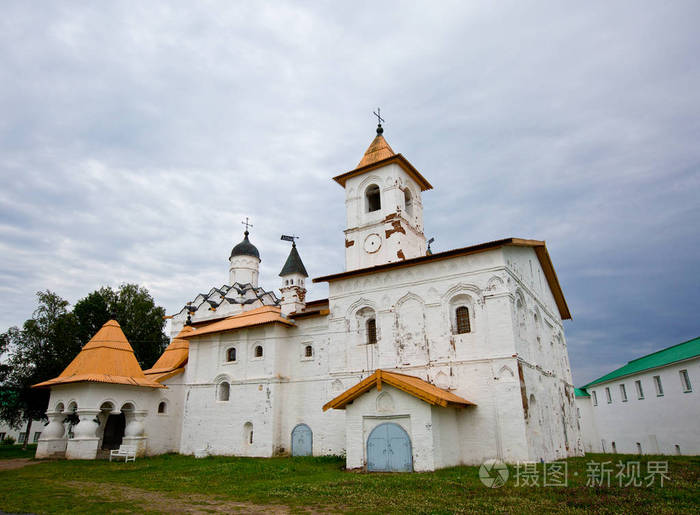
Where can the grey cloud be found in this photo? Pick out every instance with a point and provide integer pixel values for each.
(135, 137)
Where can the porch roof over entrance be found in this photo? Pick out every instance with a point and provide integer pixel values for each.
(106, 358)
(410, 384)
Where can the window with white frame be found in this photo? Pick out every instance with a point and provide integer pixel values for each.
(659, 387)
(22, 437)
(595, 399)
(308, 351)
(162, 408)
(685, 381)
(640, 390)
(258, 351)
(623, 393)
(231, 354)
(37, 435)
(608, 395)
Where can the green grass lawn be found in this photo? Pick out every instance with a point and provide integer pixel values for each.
(15, 451)
(164, 483)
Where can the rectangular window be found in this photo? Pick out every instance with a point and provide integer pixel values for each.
(607, 395)
(623, 393)
(640, 391)
(21, 437)
(685, 381)
(595, 399)
(659, 387)
(2, 436)
(36, 436)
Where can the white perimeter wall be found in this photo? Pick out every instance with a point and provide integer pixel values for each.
(658, 423)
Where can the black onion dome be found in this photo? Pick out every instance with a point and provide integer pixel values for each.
(294, 264)
(245, 248)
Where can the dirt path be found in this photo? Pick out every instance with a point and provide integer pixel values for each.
(159, 502)
(16, 463)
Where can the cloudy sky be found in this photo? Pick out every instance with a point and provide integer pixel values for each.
(135, 137)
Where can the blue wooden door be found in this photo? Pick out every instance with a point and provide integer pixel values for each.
(302, 441)
(389, 449)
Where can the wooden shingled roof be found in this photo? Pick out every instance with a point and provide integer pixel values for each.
(173, 360)
(106, 358)
(380, 154)
(410, 384)
(258, 316)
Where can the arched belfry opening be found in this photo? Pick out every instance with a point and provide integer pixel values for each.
(373, 198)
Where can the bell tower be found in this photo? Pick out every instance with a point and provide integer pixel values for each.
(384, 212)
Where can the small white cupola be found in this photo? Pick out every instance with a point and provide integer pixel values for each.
(244, 262)
(293, 290)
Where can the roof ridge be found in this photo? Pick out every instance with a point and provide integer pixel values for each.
(663, 350)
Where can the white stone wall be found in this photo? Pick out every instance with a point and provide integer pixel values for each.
(657, 423)
(587, 424)
(160, 433)
(37, 427)
(414, 306)
(273, 393)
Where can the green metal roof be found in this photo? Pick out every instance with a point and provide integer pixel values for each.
(580, 392)
(679, 352)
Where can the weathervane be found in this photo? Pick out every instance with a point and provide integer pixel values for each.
(247, 224)
(379, 120)
(290, 238)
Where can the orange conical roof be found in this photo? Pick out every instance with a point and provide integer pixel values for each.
(106, 358)
(379, 149)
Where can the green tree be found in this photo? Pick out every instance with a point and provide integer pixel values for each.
(133, 307)
(40, 350)
(49, 341)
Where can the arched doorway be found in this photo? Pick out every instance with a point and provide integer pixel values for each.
(114, 432)
(302, 441)
(389, 449)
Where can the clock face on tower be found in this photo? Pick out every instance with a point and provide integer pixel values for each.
(373, 243)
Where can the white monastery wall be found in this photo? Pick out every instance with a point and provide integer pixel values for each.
(588, 425)
(658, 423)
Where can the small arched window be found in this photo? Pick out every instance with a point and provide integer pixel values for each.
(374, 200)
(258, 351)
(462, 320)
(231, 354)
(248, 433)
(308, 351)
(223, 391)
(162, 408)
(371, 330)
(408, 202)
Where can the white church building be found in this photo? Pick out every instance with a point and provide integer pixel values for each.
(415, 361)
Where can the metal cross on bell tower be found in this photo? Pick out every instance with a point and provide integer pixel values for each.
(378, 114)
